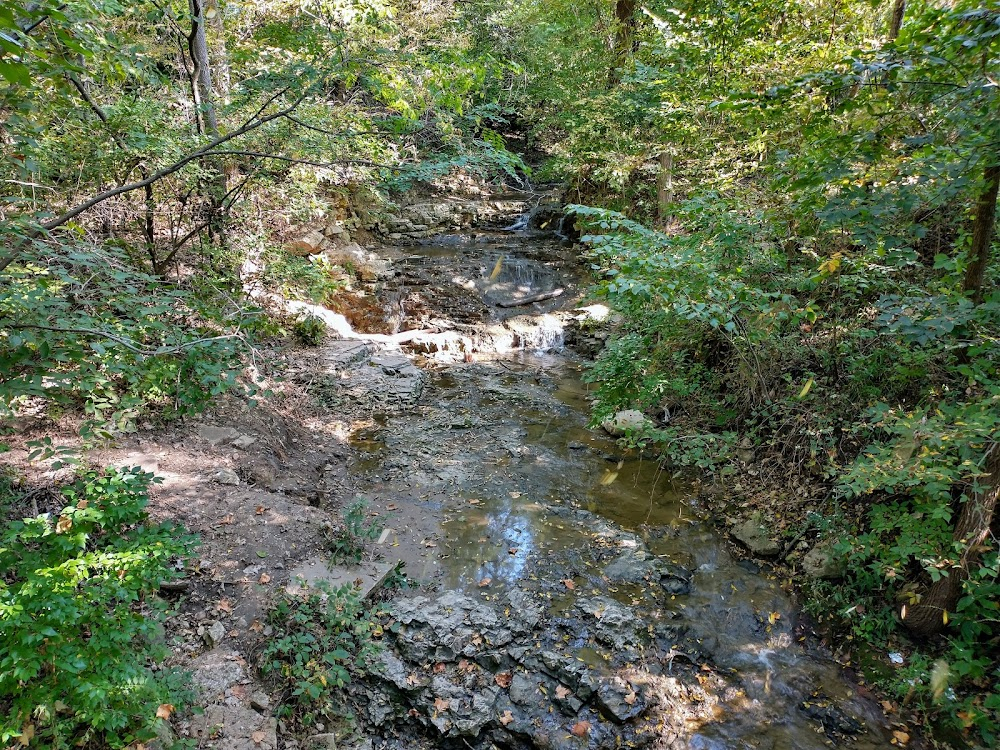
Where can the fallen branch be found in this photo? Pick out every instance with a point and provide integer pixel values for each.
(540, 297)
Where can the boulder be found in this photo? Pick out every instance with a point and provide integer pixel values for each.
(822, 562)
(629, 420)
(757, 538)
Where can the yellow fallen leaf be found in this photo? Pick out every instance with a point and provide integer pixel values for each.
(164, 711)
(774, 617)
(609, 477)
(806, 388)
(497, 268)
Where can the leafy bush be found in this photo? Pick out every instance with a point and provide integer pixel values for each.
(320, 638)
(309, 330)
(348, 543)
(80, 620)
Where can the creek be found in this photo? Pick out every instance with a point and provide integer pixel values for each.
(572, 594)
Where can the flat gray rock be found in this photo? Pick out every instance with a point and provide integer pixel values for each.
(365, 577)
(216, 435)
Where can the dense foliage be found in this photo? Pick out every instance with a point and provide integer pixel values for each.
(792, 205)
(79, 617)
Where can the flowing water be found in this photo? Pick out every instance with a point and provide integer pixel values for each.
(509, 492)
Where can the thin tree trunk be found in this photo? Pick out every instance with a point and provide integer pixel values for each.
(982, 234)
(665, 184)
(218, 52)
(896, 20)
(971, 530)
(198, 50)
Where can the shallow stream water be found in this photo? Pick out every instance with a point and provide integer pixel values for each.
(509, 489)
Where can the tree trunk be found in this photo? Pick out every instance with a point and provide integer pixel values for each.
(198, 50)
(218, 52)
(896, 20)
(625, 38)
(972, 529)
(665, 184)
(982, 234)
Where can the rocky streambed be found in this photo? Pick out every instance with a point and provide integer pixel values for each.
(570, 596)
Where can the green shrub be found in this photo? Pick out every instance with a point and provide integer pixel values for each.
(320, 638)
(309, 330)
(348, 544)
(79, 618)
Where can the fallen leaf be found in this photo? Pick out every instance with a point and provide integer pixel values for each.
(580, 729)
(164, 711)
(64, 524)
(440, 667)
(630, 698)
(563, 692)
(413, 713)
(225, 605)
(466, 666)
(256, 627)
(503, 679)
(774, 617)
(512, 551)
(226, 520)
(441, 704)
(412, 680)
(258, 737)
(261, 553)
(569, 584)
(82, 504)
(474, 502)
(900, 738)
(27, 733)
(391, 506)
(506, 718)
(264, 578)
(609, 478)
(261, 510)
(485, 582)
(515, 495)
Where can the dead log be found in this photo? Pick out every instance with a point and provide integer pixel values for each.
(540, 297)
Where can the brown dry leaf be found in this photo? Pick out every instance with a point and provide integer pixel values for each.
(512, 551)
(391, 506)
(900, 737)
(888, 707)
(226, 520)
(466, 666)
(256, 627)
(485, 582)
(413, 713)
(440, 704)
(580, 729)
(225, 606)
(258, 737)
(27, 733)
(164, 711)
(440, 667)
(563, 692)
(630, 698)
(64, 524)
(261, 510)
(506, 718)
(474, 502)
(412, 680)
(569, 584)
(264, 578)
(503, 679)
(82, 504)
